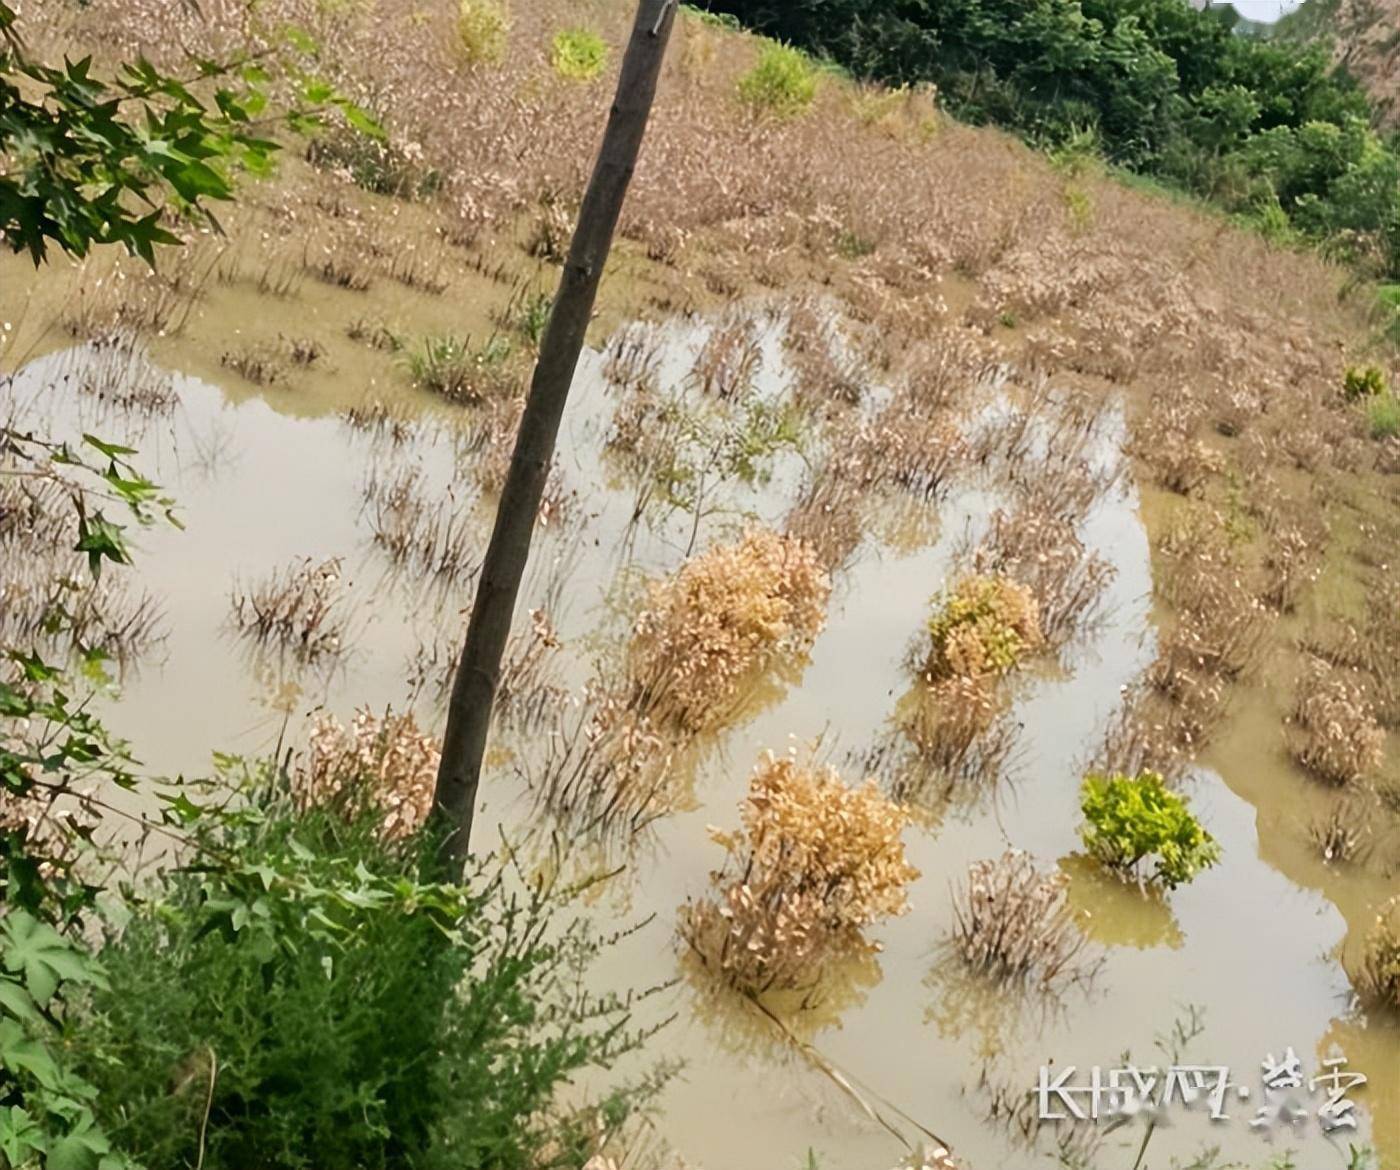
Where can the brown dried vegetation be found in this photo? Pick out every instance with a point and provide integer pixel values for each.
(813, 866)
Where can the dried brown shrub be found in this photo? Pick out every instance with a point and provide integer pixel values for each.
(1332, 729)
(1013, 922)
(1221, 628)
(1167, 442)
(720, 622)
(1378, 979)
(301, 607)
(429, 533)
(958, 727)
(729, 361)
(1043, 552)
(814, 864)
(384, 763)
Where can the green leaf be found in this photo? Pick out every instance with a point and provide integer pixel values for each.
(43, 956)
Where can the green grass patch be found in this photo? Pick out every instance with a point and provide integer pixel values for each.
(783, 83)
(1383, 416)
(578, 54)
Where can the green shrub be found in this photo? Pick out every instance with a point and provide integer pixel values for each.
(483, 27)
(302, 999)
(1362, 382)
(783, 83)
(1132, 818)
(1383, 416)
(578, 54)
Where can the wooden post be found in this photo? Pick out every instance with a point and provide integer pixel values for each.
(478, 669)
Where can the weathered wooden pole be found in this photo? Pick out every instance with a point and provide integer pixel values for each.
(478, 669)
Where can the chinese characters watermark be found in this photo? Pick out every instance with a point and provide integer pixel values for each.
(1285, 1095)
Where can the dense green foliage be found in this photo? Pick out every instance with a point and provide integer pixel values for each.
(1261, 126)
(1129, 819)
(578, 54)
(322, 1007)
(782, 83)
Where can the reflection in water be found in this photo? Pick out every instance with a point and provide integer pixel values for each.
(775, 1024)
(1119, 913)
(998, 1014)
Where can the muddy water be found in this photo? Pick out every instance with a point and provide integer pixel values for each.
(1253, 944)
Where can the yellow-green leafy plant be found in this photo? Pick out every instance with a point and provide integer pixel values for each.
(721, 621)
(814, 864)
(578, 54)
(1362, 382)
(1131, 819)
(783, 83)
(983, 626)
(483, 27)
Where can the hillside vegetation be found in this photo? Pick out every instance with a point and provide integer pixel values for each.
(1363, 37)
(1264, 128)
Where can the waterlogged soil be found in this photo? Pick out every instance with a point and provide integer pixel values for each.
(902, 1044)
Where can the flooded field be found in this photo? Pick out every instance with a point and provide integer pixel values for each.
(391, 501)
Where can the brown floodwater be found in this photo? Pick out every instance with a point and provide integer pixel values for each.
(1252, 946)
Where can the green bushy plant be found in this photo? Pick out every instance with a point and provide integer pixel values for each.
(578, 54)
(321, 1006)
(783, 83)
(1362, 382)
(1129, 819)
(1383, 416)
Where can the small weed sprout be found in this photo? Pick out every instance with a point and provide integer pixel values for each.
(451, 367)
(578, 54)
(984, 626)
(783, 83)
(483, 27)
(815, 863)
(1343, 833)
(722, 620)
(301, 607)
(1014, 923)
(1129, 819)
(1332, 730)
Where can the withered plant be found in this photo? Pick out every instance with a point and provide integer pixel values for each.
(729, 361)
(427, 532)
(1042, 550)
(379, 418)
(1377, 980)
(716, 625)
(386, 760)
(1332, 729)
(300, 607)
(1012, 922)
(814, 864)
